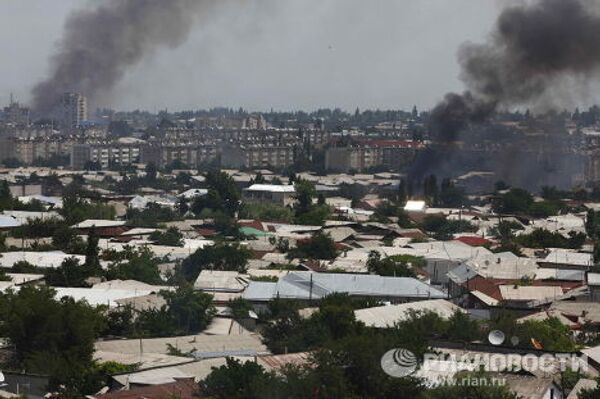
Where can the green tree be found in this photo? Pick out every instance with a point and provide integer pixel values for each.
(66, 239)
(171, 237)
(220, 256)
(592, 224)
(6, 198)
(389, 266)
(239, 308)
(430, 189)
(38, 227)
(223, 195)
(443, 229)
(319, 246)
(120, 322)
(544, 209)
(76, 209)
(462, 328)
(151, 215)
(542, 238)
(71, 274)
(50, 336)
(23, 266)
(155, 322)
(266, 212)
(131, 264)
(450, 195)
(92, 260)
(237, 380)
(306, 212)
(402, 194)
(190, 310)
(151, 172)
(258, 179)
(551, 333)
(305, 192)
(516, 200)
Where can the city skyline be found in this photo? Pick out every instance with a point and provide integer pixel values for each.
(320, 55)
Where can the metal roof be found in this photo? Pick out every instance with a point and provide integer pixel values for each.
(188, 343)
(96, 296)
(273, 188)
(566, 257)
(8, 222)
(219, 280)
(47, 259)
(529, 293)
(307, 285)
(87, 224)
(387, 316)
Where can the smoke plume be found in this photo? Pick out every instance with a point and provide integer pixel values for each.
(533, 49)
(99, 45)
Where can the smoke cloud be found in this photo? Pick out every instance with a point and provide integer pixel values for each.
(533, 49)
(99, 45)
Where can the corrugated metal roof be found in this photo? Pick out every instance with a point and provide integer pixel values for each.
(96, 296)
(47, 259)
(387, 316)
(274, 188)
(529, 293)
(306, 285)
(188, 343)
(87, 224)
(219, 280)
(488, 300)
(8, 222)
(594, 278)
(559, 274)
(566, 257)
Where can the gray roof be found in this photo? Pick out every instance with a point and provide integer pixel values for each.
(8, 222)
(461, 274)
(298, 285)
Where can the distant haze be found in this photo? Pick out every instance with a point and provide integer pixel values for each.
(261, 54)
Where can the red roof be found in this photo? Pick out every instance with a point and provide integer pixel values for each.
(491, 286)
(474, 241)
(206, 232)
(184, 389)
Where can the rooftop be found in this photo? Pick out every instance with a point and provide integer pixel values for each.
(274, 188)
(309, 285)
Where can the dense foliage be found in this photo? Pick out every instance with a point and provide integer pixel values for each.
(220, 256)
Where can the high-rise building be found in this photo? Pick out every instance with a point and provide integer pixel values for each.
(16, 114)
(73, 109)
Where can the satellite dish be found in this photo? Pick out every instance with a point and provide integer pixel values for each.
(496, 337)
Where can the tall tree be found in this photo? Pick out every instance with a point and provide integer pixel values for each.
(52, 337)
(92, 260)
(151, 172)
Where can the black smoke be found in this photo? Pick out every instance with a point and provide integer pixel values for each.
(455, 112)
(537, 53)
(532, 49)
(99, 45)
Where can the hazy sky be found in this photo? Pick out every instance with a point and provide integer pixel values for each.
(281, 54)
